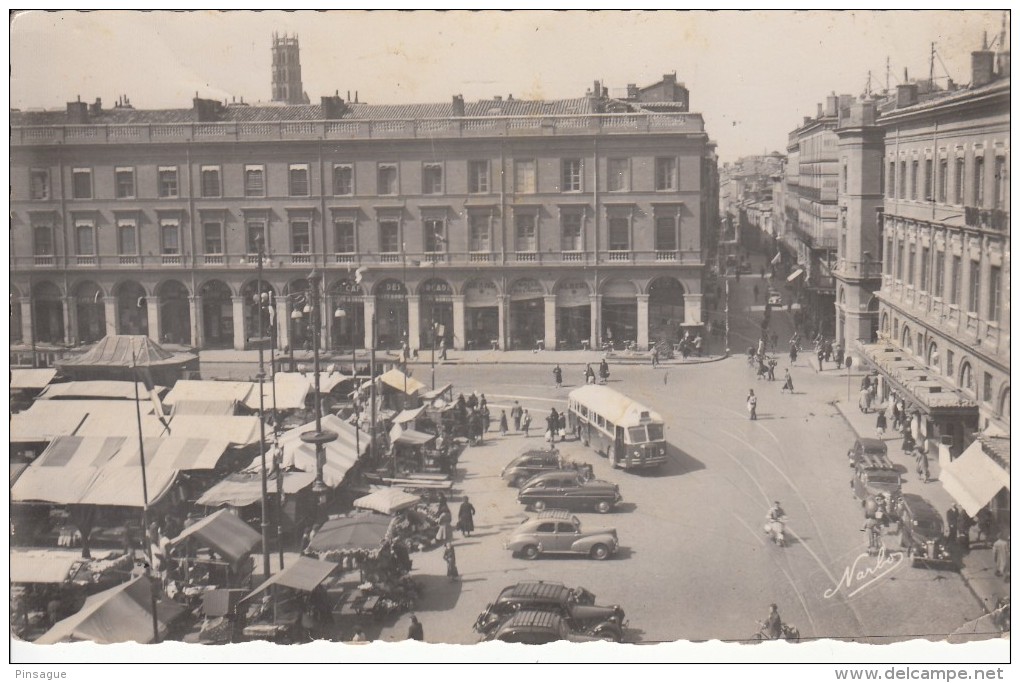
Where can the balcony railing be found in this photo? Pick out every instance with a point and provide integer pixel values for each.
(525, 257)
(171, 259)
(45, 260)
(480, 257)
(213, 259)
(346, 258)
(128, 260)
(301, 258)
(358, 129)
(860, 269)
(572, 256)
(618, 255)
(668, 255)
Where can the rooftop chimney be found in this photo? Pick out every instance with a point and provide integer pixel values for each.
(208, 111)
(981, 62)
(632, 91)
(597, 89)
(97, 107)
(669, 79)
(830, 104)
(1003, 58)
(821, 110)
(906, 95)
(77, 112)
(458, 105)
(333, 107)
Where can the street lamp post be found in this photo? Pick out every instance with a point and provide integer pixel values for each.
(262, 411)
(340, 314)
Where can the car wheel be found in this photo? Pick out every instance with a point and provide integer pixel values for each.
(603, 506)
(599, 551)
(518, 482)
(611, 635)
(530, 552)
(538, 505)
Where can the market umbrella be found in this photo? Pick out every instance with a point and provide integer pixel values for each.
(361, 532)
(387, 501)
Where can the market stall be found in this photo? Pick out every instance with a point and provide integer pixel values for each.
(297, 609)
(117, 357)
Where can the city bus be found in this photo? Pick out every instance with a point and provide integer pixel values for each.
(631, 435)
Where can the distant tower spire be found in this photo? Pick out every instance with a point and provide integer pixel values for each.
(287, 70)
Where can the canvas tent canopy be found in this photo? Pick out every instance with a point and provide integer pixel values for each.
(397, 380)
(97, 389)
(42, 565)
(31, 378)
(341, 454)
(364, 531)
(245, 488)
(212, 390)
(221, 408)
(118, 615)
(303, 574)
(225, 533)
(387, 501)
(117, 356)
(46, 420)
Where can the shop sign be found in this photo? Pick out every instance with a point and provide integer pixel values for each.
(480, 293)
(436, 289)
(526, 289)
(391, 289)
(572, 294)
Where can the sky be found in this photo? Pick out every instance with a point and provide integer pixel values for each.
(753, 75)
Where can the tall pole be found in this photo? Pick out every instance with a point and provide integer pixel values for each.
(432, 316)
(277, 452)
(145, 503)
(318, 438)
(262, 416)
(371, 390)
(726, 341)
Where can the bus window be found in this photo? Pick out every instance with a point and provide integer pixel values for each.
(584, 411)
(655, 432)
(635, 435)
(601, 422)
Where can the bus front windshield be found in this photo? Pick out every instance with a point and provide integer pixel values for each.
(655, 432)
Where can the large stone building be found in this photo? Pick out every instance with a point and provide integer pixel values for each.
(503, 221)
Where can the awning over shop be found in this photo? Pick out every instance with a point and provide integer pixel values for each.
(405, 416)
(179, 453)
(225, 533)
(973, 479)
(411, 437)
(395, 379)
(45, 420)
(220, 408)
(921, 386)
(97, 389)
(304, 574)
(210, 390)
(42, 566)
(235, 430)
(118, 615)
(436, 393)
(364, 531)
(292, 388)
(795, 274)
(243, 489)
(34, 378)
(387, 501)
(116, 486)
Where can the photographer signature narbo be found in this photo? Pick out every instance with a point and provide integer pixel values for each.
(858, 576)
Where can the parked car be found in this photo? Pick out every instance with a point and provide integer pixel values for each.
(568, 489)
(775, 298)
(532, 627)
(528, 464)
(872, 448)
(558, 531)
(922, 533)
(873, 473)
(576, 605)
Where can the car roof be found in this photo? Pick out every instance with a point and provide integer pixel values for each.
(539, 451)
(870, 444)
(555, 474)
(533, 619)
(920, 509)
(535, 589)
(875, 461)
(561, 515)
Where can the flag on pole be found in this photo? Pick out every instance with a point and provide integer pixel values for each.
(777, 258)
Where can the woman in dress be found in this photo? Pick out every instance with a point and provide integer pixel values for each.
(466, 517)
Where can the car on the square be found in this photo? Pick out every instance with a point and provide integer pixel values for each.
(568, 490)
(528, 464)
(577, 605)
(867, 447)
(559, 532)
(775, 298)
(533, 627)
(922, 532)
(875, 474)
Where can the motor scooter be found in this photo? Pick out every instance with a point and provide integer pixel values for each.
(789, 632)
(776, 530)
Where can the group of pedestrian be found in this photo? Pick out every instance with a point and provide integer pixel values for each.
(869, 387)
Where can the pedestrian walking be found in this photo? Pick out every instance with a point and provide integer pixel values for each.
(552, 423)
(821, 357)
(515, 414)
(502, 423)
(755, 293)
(787, 382)
(896, 416)
(1000, 553)
(558, 376)
(589, 374)
(563, 426)
(837, 355)
(772, 369)
(752, 404)
(450, 556)
(921, 464)
(603, 371)
(445, 531)
(486, 417)
(880, 423)
(698, 341)
(466, 517)
(952, 522)
(526, 422)
(442, 349)
(864, 401)
(793, 352)
(415, 630)
(655, 357)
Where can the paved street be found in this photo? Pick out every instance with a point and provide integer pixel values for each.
(694, 562)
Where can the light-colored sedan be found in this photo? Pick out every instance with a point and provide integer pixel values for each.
(558, 531)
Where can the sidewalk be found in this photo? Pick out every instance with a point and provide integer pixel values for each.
(977, 566)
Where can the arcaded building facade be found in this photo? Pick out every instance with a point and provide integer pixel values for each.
(503, 222)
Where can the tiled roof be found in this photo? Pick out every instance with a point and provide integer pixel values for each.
(998, 446)
(313, 112)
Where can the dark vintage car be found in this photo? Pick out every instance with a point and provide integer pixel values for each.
(568, 489)
(532, 627)
(528, 464)
(875, 474)
(922, 533)
(575, 605)
(872, 448)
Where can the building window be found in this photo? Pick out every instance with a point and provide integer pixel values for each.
(387, 179)
(42, 240)
(432, 179)
(525, 181)
(343, 180)
(902, 193)
(842, 177)
(39, 183)
(889, 257)
(943, 179)
(974, 293)
(212, 233)
(343, 236)
(297, 180)
(914, 168)
(570, 231)
(966, 378)
(899, 260)
(925, 256)
(890, 181)
(169, 238)
(949, 363)
(619, 175)
(435, 235)
(526, 233)
(1000, 182)
(211, 181)
(986, 392)
(167, 182)
(960, 166)
(911, 257)
(124, 183)
(954, 281)
(619, 234)
(665, 233)
(81, 183)
(478, 177)
(255, 231)
(85, 238)
(665, 173)
(254, 181)
(479, 233)
(389, 237)
(127, 238)
(300, 236)
(994, 293)
(927, 179)
(940, 273)
(571, 175)
(979, 181)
